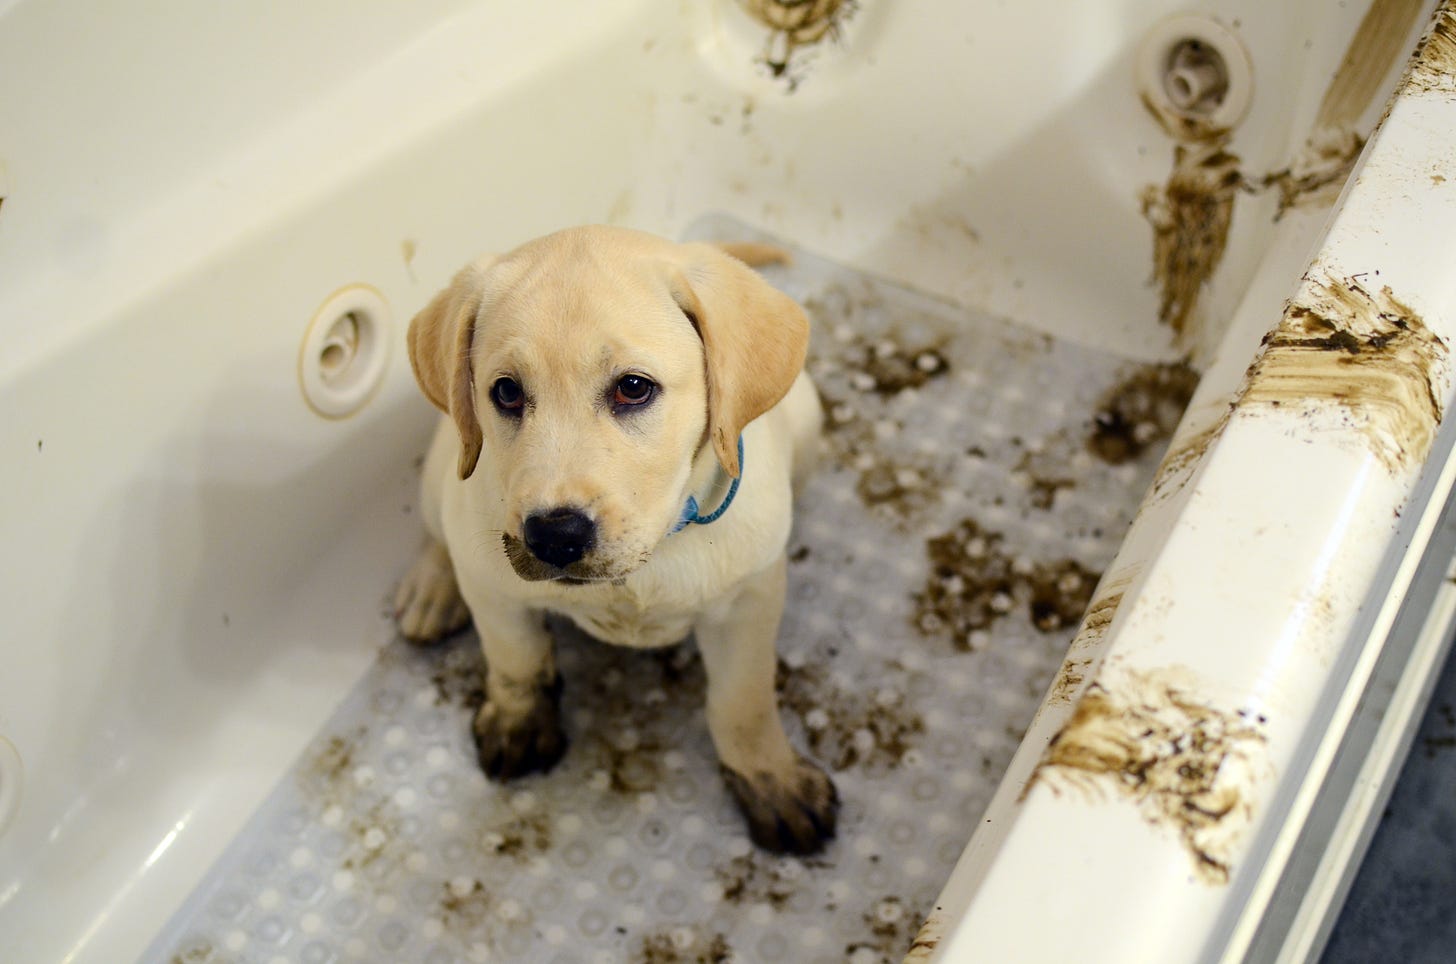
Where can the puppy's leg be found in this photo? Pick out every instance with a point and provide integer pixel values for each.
(518, 728)
(791, 804)
(427, 605)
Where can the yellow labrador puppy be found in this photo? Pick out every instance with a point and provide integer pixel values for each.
(626, 418)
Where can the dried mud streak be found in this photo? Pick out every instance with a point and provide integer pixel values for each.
(1339, 343)
(1321, 168)
(1185, 453)
(1140, 411)
(927, 939)
(1433, 65)
(1187, 765)
(850, 728)
(1318, 172)
(801, 23)
(1083, 652)
(1190, 216)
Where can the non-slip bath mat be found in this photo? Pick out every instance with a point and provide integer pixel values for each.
(979, 479)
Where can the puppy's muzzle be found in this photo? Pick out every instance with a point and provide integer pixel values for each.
(559, 537)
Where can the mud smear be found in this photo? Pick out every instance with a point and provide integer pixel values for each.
(465, 906)
(1044, 490)
(459, 678)
(884, 364)
(1083, 652)
(520, 839)
(1101, 611)
(1341, 344)
(1188, 766)
(1069, 680)
(327, 771)
(343, 794)
(683, 947)
(862, 378)
(903, 488)
(900, 488)
(1140, 411)
(758, 878)
(927, 939)
(971, 585)
(796, 25)
(1060, 593)
(974, 581)
(1190, 216)
(1185, 453)
(1321, 168)
(197, 953)
(1317, 173)
(887, 368)
(890, 927)
(1045, 476)
(473, 914)
(1433, 66)
(850, 728)
(630, 736)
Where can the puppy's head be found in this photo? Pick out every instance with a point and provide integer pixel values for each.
(591, 367)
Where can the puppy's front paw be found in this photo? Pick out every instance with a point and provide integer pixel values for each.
(513, 745)
(427, 605)
(795, 813)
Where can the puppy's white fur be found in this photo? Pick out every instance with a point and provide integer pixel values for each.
(565, 318)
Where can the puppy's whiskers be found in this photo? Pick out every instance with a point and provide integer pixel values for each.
(485, 541)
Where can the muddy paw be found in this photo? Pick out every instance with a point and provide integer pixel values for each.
(427, 605)
(795, 814)
(525, 743)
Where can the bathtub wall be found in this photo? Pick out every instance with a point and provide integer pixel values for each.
(198, 560)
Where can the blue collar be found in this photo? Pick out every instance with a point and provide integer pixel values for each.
(690, 514)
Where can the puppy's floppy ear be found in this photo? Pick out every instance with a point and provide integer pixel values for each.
(754, 336)
(440, 338)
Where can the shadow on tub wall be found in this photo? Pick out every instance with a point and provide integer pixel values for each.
(196, 586)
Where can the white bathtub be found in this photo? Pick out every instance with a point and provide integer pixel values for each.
(199, 560)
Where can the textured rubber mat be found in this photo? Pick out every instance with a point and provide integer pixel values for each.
(979, 479)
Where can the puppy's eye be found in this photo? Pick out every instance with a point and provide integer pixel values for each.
(633, 390)
(507, 395)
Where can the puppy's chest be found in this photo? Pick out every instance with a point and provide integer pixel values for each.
(627, 619)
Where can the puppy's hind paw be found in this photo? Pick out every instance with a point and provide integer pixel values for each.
(427, 605)
(532, 742)
(794, 813)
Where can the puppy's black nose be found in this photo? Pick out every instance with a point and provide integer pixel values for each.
(559, 537)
